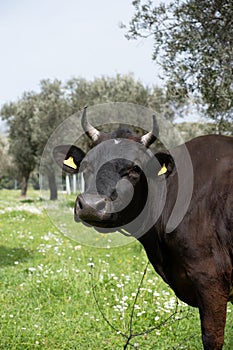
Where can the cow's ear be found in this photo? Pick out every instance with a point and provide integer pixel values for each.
(68, 157)
(167, 164)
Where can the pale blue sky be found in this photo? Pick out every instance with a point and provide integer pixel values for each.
(62, 39)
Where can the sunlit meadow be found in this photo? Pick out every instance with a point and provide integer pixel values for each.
(56, 293)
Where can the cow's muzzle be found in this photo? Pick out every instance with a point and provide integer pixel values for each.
(92, 210)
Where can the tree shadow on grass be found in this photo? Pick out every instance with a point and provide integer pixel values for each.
(30, 200)
(8, 256)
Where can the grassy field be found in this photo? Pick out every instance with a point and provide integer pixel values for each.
(54, 291)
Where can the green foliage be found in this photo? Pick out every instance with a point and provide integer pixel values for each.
(22, 147)
(50, 109)
(7, 182)
(5, 159)
(107, 89)
(122, 88)
(6, 165)
(193, 42)
(191, 130)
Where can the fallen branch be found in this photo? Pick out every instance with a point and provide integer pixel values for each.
(128, 337)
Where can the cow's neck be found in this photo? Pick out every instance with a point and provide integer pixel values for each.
(154, 247)
(154, 241)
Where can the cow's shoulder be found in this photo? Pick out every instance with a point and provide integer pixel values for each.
(214, 145)
(211, 154)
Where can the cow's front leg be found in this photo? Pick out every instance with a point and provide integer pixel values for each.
(212, 309)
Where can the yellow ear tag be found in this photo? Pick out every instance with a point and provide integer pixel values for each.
(70, 163)
(163, 170)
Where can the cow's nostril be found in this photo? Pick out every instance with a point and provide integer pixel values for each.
(89, 205)
(100, 205)
(80, 204)
(114, 195)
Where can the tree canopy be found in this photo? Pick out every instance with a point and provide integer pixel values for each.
(193, 42)
(22, 147)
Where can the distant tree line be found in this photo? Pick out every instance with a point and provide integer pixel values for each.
(33, 118)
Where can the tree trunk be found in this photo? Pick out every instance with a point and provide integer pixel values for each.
(52, 186)
(24, 185)
(68, 190)
(74, 184)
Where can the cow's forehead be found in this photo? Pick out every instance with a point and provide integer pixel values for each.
(112, 149)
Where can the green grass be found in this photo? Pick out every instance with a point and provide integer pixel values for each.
(46, 296)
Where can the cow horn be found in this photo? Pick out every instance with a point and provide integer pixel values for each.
(92, 132)
(151, 136)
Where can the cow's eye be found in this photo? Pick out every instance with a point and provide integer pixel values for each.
(137, 169)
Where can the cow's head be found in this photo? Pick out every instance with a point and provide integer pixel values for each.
(115, 171)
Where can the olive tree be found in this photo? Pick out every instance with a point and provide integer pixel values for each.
(22, 147)
(193, 42)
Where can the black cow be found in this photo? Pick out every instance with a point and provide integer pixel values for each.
(193, 253)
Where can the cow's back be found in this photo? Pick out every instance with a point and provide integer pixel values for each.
(212, 199)
(212, 156)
